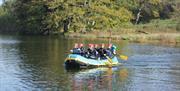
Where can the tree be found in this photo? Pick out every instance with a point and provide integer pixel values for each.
(48, 16)
(30, 15)
(7, 19)
(70, 15)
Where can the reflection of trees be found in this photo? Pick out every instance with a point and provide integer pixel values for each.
(42, 61)
(42, 64)
(98, 79)
(123, 74)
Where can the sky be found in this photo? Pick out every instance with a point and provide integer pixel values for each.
(0, 2)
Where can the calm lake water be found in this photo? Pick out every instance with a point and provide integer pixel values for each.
(34, 63)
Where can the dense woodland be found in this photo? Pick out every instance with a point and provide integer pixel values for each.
(54, 16)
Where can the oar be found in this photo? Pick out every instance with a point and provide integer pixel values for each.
(123, 57)
(110, 61)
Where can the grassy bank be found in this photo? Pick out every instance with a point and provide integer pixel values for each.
(152, 37)
(165, 31)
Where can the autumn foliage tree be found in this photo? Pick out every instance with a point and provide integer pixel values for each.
(69, 15)
(50, 16)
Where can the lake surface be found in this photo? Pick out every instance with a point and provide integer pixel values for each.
(31, 63)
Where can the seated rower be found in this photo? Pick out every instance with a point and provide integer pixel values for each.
(82, 50)
(113, 49)
(102, 51)
(76, 49)
(96, 49)
(90, 51)
(108, 51)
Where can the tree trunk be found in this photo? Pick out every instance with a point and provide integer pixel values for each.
(110, 36)
(138, 16)
(66, 25)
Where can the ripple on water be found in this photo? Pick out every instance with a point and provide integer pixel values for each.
(36, 64)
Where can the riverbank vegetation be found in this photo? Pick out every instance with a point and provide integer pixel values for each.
(90, 16)
(7, 20)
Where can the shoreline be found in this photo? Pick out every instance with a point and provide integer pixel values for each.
(173, 38)
(169, 38)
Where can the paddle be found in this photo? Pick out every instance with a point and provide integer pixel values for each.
(123, 57)
(110, 61)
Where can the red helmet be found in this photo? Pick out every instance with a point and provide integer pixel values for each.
(92, 45)
(89, 45)
(81, 45)
(110, 45)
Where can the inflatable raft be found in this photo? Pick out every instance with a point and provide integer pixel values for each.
(78, 61)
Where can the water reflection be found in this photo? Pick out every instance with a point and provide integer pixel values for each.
(97, 79)
(36, 63)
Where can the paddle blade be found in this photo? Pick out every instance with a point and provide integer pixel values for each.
(108, 64)
(110, 60)
(123, 57)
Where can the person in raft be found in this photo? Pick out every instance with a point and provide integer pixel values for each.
(94, 52)
(113, 49)
(91, 51)
(109, 51)
(76, 49)
(82, 49)
(102, 51)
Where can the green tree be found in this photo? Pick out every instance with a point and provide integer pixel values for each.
(49, 16)
(70, 15)
(30, 15)
(7, 19)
